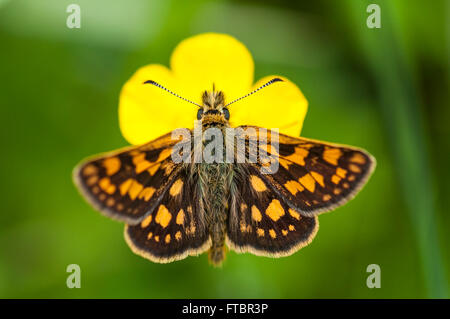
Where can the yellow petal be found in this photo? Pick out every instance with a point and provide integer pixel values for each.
(280, 105)
(147, 112)
(209, 58)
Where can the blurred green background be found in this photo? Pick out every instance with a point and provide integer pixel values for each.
(385, 90)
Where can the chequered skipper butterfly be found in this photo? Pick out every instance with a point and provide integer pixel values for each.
(173, 210)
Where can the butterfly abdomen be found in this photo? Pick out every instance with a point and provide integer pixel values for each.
(214, 184)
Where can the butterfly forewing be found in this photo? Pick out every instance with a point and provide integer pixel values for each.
(313, 176)
(128, 184)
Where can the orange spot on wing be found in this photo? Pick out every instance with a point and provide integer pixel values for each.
(293, 187)
(299, 156)
(141, 164)
(294, 214)
(105, 184)
(147, 193)
(111, 189)
(92, 180)
(110, 202)
(243, 226)
(147, 220)
(335, 179)
(272, 233)
(285, 163)
(163, 216)
(153, 169)
(95, 190)
(165, 153)
(318, 177)
(260, 232)
(257, 183)
(354, 168)
(112, 165)
(358, 158)
(167, 167)
(332, 155)
(275, 210)
(176, 187)
(341, 172)
(308, 182)
(191, 229)
(180, 217)
(125, 186)
(256, 214)
(135, 189)
(90, 169)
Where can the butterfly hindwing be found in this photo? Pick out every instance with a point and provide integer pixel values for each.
(129, 183)
(175, 229)
(261, 222)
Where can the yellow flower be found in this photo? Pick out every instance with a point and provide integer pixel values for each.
(146, 112)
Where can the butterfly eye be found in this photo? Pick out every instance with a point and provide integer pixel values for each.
(199, 114)
(226, 113)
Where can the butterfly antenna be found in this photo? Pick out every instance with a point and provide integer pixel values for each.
(173, 93)
(261, 87)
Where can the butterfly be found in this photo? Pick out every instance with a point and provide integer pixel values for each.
(173, 209)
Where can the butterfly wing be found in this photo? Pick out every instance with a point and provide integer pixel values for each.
(129, 184)
(176, 229)
(261, 222)
(278, 214)
(143, 187)
(313, 176)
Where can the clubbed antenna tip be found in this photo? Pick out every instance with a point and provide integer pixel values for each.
(173, 93)
(261, 87)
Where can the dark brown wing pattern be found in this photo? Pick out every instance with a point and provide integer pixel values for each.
(275, 214)
(314, 176)
(128, 184)
(261, 222)
(175, 229)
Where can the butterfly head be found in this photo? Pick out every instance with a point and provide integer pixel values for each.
(213, 107)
